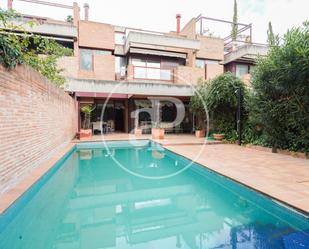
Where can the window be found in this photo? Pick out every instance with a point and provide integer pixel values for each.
(153, 68)
(200, 63)
(211, 62)
(140, 72)
(138, 62)
(120, 64)
(241, 70)
(102, 52)
(86, 57)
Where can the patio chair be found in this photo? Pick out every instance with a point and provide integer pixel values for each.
(110, 127)
(97, 126)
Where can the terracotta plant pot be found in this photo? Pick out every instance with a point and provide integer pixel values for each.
(85, 134)
(137, 132)
(218, 136)
(200, 133)
(157, 133)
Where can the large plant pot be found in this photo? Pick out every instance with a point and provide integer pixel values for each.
(85, 134)
(138, 132)
(200, 133)
(218, 136)
(157, 133)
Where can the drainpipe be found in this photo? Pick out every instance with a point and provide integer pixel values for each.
(10, 4)
(178, 17)
(86, 8)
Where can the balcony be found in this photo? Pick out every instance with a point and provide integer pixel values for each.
(247, 52)
(60, 30)
(159, 42)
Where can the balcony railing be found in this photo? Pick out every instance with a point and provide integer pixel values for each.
(152, 73)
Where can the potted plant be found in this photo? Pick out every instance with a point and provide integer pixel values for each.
(157, 132)
(86, 131)
(218, 136)
(199, 131)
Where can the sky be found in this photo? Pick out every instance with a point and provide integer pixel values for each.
(160, 15)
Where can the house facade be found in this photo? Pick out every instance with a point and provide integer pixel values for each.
(120, 69)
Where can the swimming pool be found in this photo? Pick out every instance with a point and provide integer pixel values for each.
(120, 197)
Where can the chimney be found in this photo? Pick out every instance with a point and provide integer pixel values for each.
(178, 17)
(86, 8)
(10, 4)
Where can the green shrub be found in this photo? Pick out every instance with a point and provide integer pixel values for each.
(219, 97)
(19, 47)
(281, 92)
(222, 103)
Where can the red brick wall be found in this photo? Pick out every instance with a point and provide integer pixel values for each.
(96, 35)
(37, 118)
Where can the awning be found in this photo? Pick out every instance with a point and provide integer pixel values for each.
(102, 95)
(157, 52)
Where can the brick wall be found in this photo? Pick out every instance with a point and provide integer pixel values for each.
(36, 119)
(213, 70)
(103, 68)
(96, 35)
(189, 75)
(211, 48)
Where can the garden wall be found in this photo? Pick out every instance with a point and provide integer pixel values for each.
(37, 119)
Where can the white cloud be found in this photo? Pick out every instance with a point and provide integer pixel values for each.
(160, 14)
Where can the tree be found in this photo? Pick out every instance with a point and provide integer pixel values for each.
(87, 110)
(234, 24)
(272, 39)
(198, 106)
(69, 19)
(281, 88)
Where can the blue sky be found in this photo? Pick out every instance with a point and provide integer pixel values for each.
(160, 14)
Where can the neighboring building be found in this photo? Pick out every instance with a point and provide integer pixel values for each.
(130, 65)
(242, 59)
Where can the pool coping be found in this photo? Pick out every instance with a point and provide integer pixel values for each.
(10, 197)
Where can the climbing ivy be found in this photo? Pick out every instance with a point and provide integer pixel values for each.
(20, 47)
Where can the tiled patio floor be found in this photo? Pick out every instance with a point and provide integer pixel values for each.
(280, 176)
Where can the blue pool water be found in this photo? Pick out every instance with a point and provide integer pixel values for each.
(95, 198)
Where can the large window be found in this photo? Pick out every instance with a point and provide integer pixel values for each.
(153, 68)
(120, 65)
(241, 70)
(86, 57)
